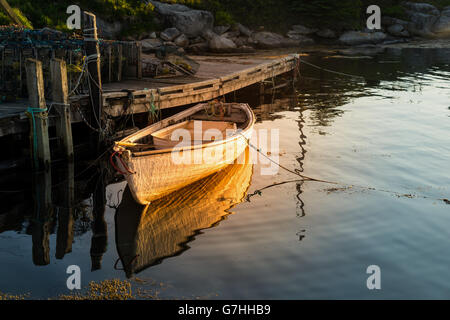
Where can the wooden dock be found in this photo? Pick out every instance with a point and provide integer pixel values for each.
(216, 77)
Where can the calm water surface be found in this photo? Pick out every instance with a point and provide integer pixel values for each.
(297, 240)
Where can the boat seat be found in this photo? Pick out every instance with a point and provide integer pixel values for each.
(162, 138)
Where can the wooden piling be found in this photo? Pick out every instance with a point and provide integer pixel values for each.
(138, 60)
(119, 62)
(109, 64)
(35, 85)
(93, 63)
(60, 97)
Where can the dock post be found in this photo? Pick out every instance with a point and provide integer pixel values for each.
(60, 97)
(119, 62)
(139, 60)
(35, 85)
(93, 63)
(109, 64)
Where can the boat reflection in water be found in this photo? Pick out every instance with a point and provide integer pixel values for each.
(147, 235)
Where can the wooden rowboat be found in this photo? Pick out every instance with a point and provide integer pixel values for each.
(183, 148)
(145, 236)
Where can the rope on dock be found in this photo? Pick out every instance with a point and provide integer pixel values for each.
(31, 111)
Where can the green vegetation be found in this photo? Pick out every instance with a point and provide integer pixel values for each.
(344, 14)
(137, 15)
(276, 15)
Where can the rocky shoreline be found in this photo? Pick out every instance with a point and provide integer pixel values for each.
(193, 31)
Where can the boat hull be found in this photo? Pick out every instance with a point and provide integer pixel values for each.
(156, 173)
(148, 184)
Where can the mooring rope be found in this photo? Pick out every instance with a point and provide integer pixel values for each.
(31, 111)
(306, 178)
(332, 71)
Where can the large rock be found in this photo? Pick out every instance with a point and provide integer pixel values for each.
(221, 29)
(398, 30)
(150, 44)
(425, 8)
(357, 38)
(303, 30)
(181, 41)
(442, 26)
(301, 39)
(199, 47)
(422, 17)
(270, 40)
(208, 34)
(169, 34)
(231, 34)
(190, 22)
(243, 30)
(241, 41)
(326, 33)
(221, 44)
(389, 21)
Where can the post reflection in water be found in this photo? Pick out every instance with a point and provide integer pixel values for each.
(147, 235)
(65, 202)
(43, 218)
(99, 239)
(271, 112)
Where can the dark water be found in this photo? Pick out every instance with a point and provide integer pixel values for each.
(296, 240)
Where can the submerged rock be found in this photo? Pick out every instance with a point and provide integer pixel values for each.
(357, 38)
(362, 51)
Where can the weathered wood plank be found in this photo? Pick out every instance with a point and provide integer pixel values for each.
(60, 97)
(35, 84)
(196, 92)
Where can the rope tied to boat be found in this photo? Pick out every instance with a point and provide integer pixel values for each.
(117, 154)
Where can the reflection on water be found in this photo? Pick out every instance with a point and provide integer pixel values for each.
(146, 235)
(292, 239)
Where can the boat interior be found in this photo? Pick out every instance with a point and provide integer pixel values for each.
(210, 122)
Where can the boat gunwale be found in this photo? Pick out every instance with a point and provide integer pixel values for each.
(243, 106)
